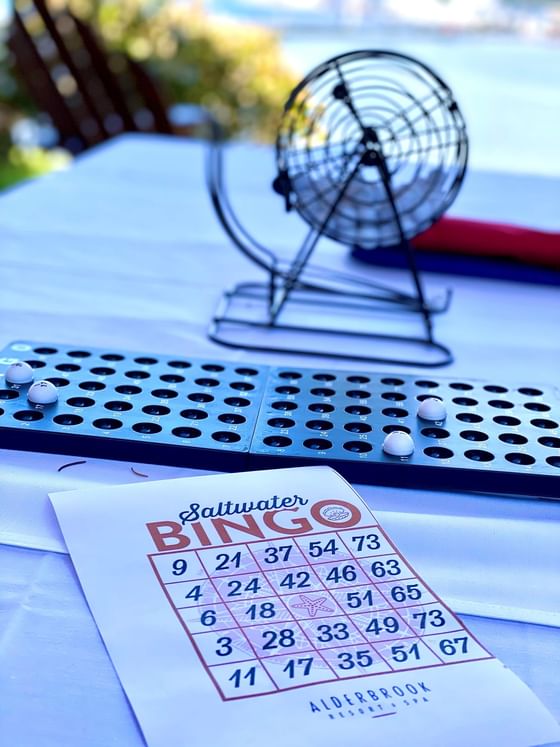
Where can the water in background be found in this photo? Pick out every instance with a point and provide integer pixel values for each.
(506, 86)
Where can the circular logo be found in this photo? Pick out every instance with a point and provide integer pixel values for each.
(335, 512)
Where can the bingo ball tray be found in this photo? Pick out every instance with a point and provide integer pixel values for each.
(229, 416)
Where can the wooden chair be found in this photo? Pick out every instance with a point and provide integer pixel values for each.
(89, 95)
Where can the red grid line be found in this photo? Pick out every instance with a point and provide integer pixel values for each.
(278, 596)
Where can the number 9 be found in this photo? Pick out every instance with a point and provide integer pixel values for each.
(179, 567)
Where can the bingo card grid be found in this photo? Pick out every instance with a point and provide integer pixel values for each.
(266, 616)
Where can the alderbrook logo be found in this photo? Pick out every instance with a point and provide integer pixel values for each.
(204, 526)
(373, 703)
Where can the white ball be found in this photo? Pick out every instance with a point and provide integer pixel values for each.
(19, 373)
(42, 393)
(398, 443)
(432, 409)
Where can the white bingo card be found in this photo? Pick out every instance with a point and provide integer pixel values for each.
(271, 608)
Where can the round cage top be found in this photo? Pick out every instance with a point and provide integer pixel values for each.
(358, 124)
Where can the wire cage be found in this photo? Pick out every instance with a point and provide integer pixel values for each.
(371, 150)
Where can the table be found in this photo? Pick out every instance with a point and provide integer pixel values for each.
(124, 250)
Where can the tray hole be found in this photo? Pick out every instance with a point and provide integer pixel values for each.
(68, 367)
(502, 404)
(278, 442)
(231, 418)
(145, 361)
(465, 401)
(544, 423)
(512, 438)
(391, 428)
(200, 397)
(246, 371)
(213, 367)
(321, 407)
(164, 393)
(127, 389)
(172, 378)
(118, 406)
(530, 391)
(192, 414)
(358, 447)
(319, 425)
(322, 392)
(394, 396)
(102, 371)
(358, 394)
(207, 382)
(474, 435)
(554, 461)
(357, 410)
(237, 402)
(285, 406)
(242, 386)
(226, 437)
(422, 397)
(107, 424)
(46, 351)
(324, 377)
(438, 452)
(92, 386)
(179, 364)
(58, 381)
(461, 386)
(550, 442)
(357, 427)
(112, 357)
(286, 389)
(470, 417)
(435, 432)
(186, 432)
(507, 420)
(289, 375)
(36, 364)
(394, 412)
(80, 402)
(74, 353)
(495, 388)
(146, 427)
(9, 394)
(477, 455)
(426, 384)
(28, 416)
(68, 419)
(281, 422)
(537, 406)
(358, 379)
(317, 444)
(520, 458)
(392, 381)
(137, 374)
(155, 410)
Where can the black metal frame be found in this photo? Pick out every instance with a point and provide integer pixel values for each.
(301, 284)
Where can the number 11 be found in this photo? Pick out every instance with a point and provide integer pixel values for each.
(250, 675)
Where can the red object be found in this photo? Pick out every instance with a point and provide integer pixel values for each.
(492, 240)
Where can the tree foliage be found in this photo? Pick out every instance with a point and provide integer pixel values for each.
(234, 69)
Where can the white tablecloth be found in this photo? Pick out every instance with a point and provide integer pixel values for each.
(124, 251)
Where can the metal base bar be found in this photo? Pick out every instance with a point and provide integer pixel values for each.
(242, 320)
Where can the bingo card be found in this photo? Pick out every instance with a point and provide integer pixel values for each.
(271, 607)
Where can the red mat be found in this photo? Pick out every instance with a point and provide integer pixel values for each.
(492, 240)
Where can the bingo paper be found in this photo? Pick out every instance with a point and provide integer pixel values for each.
(272, 608)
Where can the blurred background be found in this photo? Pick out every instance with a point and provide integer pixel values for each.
(241, 58)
